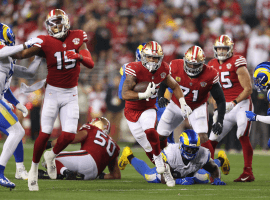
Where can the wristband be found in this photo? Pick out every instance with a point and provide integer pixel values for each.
(234, 101)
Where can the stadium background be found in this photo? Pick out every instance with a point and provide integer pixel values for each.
(116, 27)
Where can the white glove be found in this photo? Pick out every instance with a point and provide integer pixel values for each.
(150, 90)
(32, 41)
(186, 110)
(215, 116)
(22, 108)
(10, 105)
(229, 106)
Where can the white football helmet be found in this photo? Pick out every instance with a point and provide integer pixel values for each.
(57, 23)
(223, 41)
(152, 49)
(194, 56)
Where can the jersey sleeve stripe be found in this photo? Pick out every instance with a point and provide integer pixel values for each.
(240, 64)
(216, 79)
(37, 45)
(130, 72)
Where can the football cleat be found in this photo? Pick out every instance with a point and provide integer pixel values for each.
(160, 165)
(246, 176)
(33, 180)
(225, 168)
(5, 182)
(49, 157)
(21, 173)
(123, 161)
(170, 182)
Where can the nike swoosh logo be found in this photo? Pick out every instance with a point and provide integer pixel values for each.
(244, 179)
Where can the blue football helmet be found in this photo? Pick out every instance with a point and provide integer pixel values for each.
(189, 144)
(7, 36)
(261, 76)
(138, 52)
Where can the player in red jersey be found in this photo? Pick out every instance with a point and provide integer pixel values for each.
(140, 110)
(237, 88)
(64, 50)
(98, 151)
(196, 80)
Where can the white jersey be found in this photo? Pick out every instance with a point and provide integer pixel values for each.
(6, 72)
(174, 159)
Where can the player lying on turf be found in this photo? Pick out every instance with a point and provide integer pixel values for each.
(97, 152)
(185, 159)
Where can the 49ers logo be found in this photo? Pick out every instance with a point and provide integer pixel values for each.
(76, 41)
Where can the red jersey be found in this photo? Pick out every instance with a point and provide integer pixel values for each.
(196, 90)
(100, 146)
(62, 72)
(228, 77)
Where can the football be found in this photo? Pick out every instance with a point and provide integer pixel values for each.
(141, 87)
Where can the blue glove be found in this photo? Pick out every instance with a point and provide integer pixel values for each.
(268, 111)
(251, 115)
(268, 143)
(185, 181)
(217, 181)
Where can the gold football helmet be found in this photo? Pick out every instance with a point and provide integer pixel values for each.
(151, 49)
(223, 41)
(57, 23)
(194, 56)
(102, 123)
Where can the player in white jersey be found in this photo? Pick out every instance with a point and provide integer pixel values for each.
(9, 123)
(185, 159)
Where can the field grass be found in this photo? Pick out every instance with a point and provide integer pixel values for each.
(133, 186)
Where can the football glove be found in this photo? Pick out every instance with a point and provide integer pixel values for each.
(251, 116)
(33, 41)
(150, 90)
(217, 128)
(229, 106)
(186, 110)
(268, 111)
(217, 181)
(163, 102)
(22, 108)
(215, 115)
(185, 181)
(73, 55)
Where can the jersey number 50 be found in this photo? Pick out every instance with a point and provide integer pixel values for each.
(100, 140)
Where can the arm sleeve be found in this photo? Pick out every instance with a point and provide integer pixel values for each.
(10, 97)
(10, 50)
(264, 119)
(162, 89)
(29, 72)
(87, 60)
(218, 96)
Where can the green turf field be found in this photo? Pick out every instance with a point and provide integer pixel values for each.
(133, 186)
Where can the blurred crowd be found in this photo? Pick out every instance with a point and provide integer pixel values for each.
(116, 27)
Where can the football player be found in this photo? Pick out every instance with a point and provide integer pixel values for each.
(98, 151)
(237, 88)
(140, 110)
(9, 123)
(261, 79)
(196, 80)
(64, 50)
(185, 159)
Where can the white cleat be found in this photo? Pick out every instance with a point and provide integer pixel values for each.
(168, 177)
(33, 180)
(160, 166)
(21, 173)
(49, 157)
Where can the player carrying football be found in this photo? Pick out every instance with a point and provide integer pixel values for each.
(140, 110)
(237, 88)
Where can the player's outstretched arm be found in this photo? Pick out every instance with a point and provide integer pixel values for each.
(27, 53)
(213, 169)
(23, 72)
(114, 170)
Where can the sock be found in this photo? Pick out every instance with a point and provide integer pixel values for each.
(140, 166)
(18, 153)
(2, 169)
(247, 151)
(34, 166)
(171, 138)
(163, 144)
(152, 136)
(209, 146)
(218, 162)
(39, 146)
(59, 167)
(19, 165)
(63, 141)
(130, 157)
(214, 144)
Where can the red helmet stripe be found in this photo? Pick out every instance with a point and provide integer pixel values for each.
(195, 52)
(221, 39)
(154, 47)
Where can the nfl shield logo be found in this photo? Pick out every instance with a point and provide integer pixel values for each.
(229, 65)
(76, 41)
(163, 75)
(203, 84)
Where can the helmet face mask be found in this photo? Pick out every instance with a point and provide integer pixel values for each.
(57, 23)
(189, 144)
(6, 35)
(151, 51)
(223, 41)
(194, 60)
